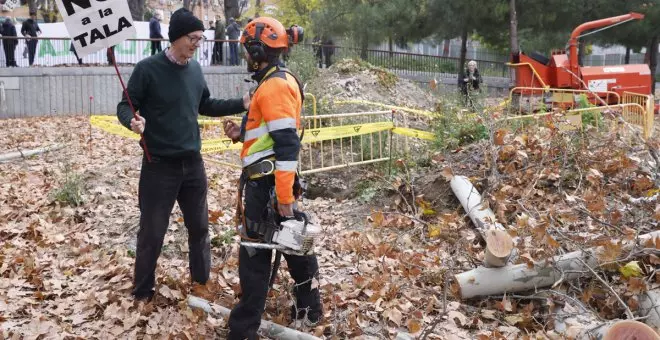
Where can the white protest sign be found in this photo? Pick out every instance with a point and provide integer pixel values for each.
(96, 24)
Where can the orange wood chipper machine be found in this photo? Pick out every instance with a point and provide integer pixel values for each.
(562, 71)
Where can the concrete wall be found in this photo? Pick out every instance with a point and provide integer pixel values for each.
(31, 92)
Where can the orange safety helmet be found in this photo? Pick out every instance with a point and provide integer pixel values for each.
(267, 31)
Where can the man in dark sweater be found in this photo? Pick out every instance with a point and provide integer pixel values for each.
(168, 89)
(31, 28)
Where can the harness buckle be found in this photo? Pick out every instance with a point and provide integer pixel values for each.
(272, 167)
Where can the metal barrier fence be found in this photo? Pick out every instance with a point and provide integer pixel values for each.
(531, 99)
(409, 63)
(636, 109)
(330, 142)
(641, 114)
(58, 52)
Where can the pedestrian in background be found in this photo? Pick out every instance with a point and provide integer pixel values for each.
(217, 46)
(233, 33)
(154, 33)
(73, 49)
(31, 29)
(9, 45)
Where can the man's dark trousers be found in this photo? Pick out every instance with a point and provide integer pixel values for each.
(32, 49)
(162, 182)
(254, 272)
(9, 46)
(155, 47)
(217, 53)
(233, 54)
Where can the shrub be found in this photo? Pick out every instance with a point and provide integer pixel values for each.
(302, 62)
(70, 189)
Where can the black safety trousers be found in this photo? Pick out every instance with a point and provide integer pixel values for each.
(254, 271)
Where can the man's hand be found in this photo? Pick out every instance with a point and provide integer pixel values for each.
(232, 130)
(246, 100)
(137, 124)
(285, 210)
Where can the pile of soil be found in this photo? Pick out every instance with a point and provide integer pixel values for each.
(352, 79)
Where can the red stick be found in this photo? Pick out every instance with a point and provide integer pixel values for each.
(111, 54)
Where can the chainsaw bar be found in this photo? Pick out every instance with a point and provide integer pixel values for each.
(277, 247)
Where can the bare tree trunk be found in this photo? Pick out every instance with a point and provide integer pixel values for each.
(653, 60)
(32, 6)
(364, 46)
(186, 4)
(49, 11)
(193, 5)
(582, 46)
(461, 62)
(513, 35)
(257, 9)
(231, 9)
(390, 45)
(445, 48)
(627, 58)
(137, 9)
(513, 28)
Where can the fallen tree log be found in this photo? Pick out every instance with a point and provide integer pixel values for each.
(499, 244)
(269, 329)
(483, 281)
(649, 306)
(27, 153)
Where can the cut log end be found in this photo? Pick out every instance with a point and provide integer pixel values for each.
(629, 330)
(499, 246)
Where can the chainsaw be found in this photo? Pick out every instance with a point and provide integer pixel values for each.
(293, 236)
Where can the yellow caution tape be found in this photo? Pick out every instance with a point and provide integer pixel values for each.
(414, 133)
(344, 131)
(220, 145)
(111, 125)
(391, 107)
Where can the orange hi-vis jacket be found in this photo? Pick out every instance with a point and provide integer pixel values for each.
(272, 127)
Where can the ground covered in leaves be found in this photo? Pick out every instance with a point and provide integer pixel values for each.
(68, 221)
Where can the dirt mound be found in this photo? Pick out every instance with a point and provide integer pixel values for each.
(353, 79)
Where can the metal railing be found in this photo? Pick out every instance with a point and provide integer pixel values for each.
(534, 99)
(635, 109)
(58, 52)
(642, 114)
(407, 63)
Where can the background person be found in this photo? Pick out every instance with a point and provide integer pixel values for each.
(31, 29)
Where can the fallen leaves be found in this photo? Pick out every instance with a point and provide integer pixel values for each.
(394, 315)
(631, 269)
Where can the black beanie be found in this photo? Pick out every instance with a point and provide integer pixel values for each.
(183, 22)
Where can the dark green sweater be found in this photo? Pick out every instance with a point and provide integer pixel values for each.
(170, 97)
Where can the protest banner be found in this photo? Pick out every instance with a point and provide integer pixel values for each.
(96, 24)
